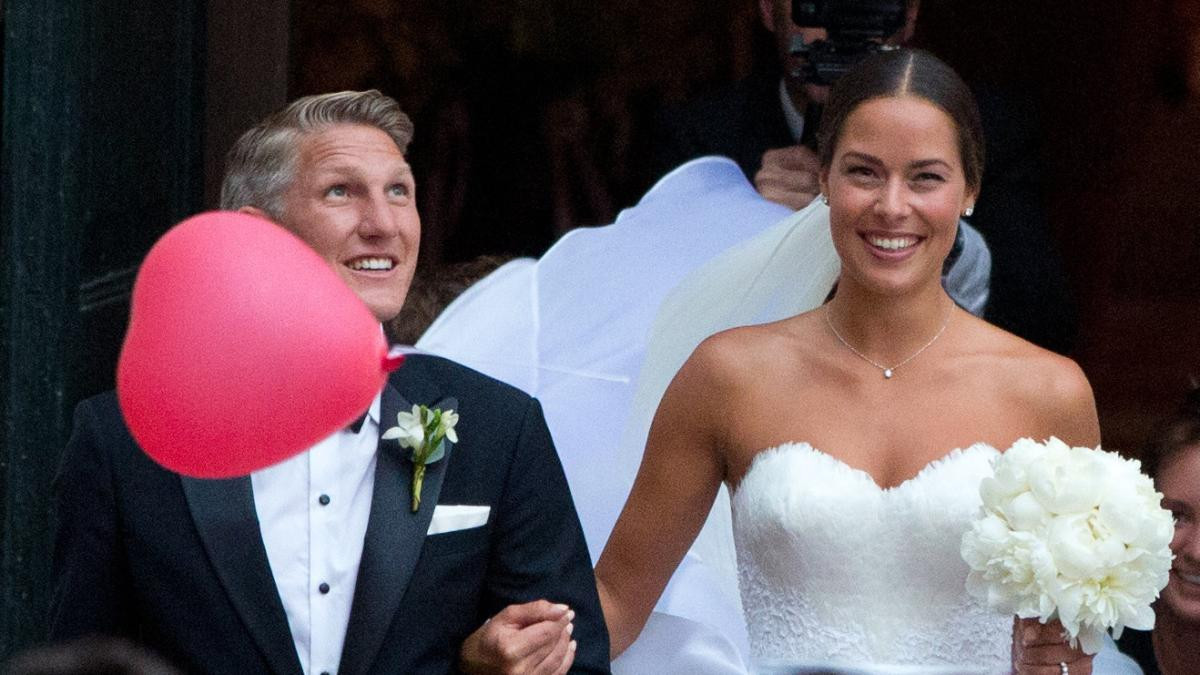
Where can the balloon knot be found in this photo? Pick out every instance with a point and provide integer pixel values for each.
(393, 359)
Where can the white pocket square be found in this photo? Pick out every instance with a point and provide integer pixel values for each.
(454, 517)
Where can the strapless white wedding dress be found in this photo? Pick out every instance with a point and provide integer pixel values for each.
(834, 570)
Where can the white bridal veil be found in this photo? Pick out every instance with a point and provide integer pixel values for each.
(701, 252)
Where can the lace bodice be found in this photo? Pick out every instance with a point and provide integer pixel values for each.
(834, 569)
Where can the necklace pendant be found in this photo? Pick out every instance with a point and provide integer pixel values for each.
(887, 373)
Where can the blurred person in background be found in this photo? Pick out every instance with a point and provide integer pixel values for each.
(1172, 459)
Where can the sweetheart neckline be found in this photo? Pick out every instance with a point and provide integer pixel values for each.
(929, 467)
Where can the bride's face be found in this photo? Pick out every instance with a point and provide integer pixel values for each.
(1179, 481)
(896, 190)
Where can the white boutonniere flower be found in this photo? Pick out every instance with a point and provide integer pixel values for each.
(1074, 534)
(425, 431)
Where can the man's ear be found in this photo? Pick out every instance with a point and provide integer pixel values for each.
(823, 181)
(255, 211)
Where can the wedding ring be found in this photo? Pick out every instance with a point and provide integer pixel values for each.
(1062, 666)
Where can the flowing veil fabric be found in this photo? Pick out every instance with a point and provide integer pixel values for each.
(701, 252)
(571, 327)
(783, 271)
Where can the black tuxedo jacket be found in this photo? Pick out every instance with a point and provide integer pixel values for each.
(179, 565)
(1029, 294)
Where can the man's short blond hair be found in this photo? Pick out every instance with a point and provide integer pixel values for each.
(262, 163)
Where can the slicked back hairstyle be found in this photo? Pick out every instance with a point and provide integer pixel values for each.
(261, 164)
(906, 72)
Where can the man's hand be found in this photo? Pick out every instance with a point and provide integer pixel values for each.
(533, 638)
(789, 176)
(1042, 649)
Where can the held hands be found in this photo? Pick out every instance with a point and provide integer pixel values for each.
(1042, 649)
(533, 638)
(789, 176)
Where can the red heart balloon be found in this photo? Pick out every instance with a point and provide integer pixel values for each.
(244, 348)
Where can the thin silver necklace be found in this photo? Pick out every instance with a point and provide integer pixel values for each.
(888, 371)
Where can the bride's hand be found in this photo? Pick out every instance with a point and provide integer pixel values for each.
(1042, 649)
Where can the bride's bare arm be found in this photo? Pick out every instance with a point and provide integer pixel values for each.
(680, 474)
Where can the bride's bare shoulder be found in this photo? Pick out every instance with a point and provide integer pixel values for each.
(746, 352)
(1051, 387)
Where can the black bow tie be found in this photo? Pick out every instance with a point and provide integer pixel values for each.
(356, 425)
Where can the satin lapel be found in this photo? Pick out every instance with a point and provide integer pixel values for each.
(393, 541)
(224, 513)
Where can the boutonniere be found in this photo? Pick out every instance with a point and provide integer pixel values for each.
(426, 431)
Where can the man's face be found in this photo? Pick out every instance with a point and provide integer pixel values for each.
(353, 201)
(776, 16)
(1179, 482)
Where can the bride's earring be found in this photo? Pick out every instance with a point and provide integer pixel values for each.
(967, 213)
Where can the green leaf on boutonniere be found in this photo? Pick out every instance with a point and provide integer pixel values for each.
(425, 431)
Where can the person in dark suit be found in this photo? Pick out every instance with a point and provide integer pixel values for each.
(760, 123)
(319, 564)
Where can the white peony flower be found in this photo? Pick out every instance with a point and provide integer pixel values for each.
(1076, 534)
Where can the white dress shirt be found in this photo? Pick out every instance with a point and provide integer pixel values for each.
(313, 511)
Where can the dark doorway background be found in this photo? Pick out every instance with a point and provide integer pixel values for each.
(532, 118)
(530, 115)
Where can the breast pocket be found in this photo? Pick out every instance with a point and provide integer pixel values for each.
(457, 528)
(472, 541)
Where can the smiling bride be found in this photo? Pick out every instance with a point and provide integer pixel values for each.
(853, 437)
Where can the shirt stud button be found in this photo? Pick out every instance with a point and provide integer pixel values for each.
(323, 500)
(324, 588)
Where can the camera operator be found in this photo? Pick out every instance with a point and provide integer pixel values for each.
(763, 121)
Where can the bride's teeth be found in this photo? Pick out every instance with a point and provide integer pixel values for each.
(892, 244)
(371, 264)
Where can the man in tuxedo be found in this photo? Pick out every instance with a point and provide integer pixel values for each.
(764, 124)
(318, 564)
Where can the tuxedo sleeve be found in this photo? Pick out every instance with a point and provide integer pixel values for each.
(540, 550)
(91, 592)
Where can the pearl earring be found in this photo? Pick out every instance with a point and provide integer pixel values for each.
(969, 211)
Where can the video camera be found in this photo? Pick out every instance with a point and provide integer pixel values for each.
(856, 28)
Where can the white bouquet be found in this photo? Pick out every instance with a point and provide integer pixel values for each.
(1074, 534)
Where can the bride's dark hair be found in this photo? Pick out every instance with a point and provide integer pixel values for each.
(906, 72)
